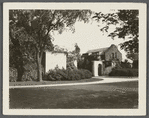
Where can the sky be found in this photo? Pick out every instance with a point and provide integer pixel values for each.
(88, 36)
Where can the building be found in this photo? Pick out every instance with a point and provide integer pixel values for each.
(51, 60)
(101, 61)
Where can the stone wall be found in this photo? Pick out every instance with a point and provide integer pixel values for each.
(113, 50)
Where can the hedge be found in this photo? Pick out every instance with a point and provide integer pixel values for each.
(67, 74)
(124, 72)
(53, 75)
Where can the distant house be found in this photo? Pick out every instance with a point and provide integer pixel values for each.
(101, 61)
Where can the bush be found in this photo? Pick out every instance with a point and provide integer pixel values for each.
(62, 74)
(12, 74)
(135, 64)
(124, 72)
(125, 65)
(29, 74)
(81, 73)
(53, 75)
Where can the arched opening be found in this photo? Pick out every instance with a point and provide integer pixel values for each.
(99, 69)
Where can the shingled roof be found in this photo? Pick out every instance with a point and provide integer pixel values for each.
(100, 50)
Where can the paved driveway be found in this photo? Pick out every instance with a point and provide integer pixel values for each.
(105, 80)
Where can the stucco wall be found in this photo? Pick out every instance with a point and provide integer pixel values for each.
(113, 49)
(55, 59)
(95, 67)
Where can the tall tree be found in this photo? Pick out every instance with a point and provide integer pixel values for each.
(40, 23)
(127, 25)
(16, 56)
(18, 53)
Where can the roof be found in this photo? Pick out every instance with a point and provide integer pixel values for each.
(100, 50)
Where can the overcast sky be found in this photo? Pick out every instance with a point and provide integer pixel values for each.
(87, 36)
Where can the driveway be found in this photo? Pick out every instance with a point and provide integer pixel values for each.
(105, 80)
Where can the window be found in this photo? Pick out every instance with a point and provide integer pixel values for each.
(112, 55)
(115, 55)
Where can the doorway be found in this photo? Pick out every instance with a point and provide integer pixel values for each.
(99, 69)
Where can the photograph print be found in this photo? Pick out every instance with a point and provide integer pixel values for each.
(83, 57)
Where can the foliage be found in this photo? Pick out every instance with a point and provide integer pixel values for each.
(12, 74)
(58, 49)
(74, 55)
(132, 56)
(125, 64)
(86, 62)
(135, 64)
(30, 73)
(62, 74)
(38, 24)
(124, 72)
(126, 22)
(70, 65)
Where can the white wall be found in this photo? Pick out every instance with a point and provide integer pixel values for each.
(54, 59)
(95, 67)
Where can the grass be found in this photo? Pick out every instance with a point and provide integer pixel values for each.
(113, 95)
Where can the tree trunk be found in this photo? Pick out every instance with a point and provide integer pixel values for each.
(20, 71)
(39, 66)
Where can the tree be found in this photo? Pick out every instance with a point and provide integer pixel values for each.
(39, 24)
(20, 48)
(16, 56)
(78, 56)
(126, 22)
(17, 47)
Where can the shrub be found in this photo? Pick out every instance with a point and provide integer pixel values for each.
(87, 73)
(62, 74)
(135, 64)
(71, 75)
(12, 74)
(125, 64)
(29, 74)
(124, 72)
(70, 65)
(81, 73)
(77, 75)
(52, 75)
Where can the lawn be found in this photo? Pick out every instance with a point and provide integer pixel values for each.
(112, 95)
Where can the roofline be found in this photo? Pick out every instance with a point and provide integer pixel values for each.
(101, 48)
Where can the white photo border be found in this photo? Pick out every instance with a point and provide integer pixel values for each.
(142, 7)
